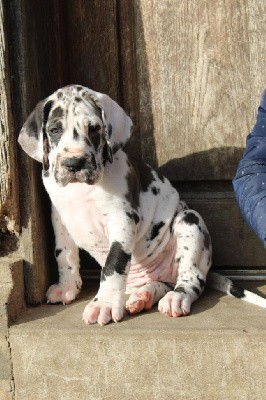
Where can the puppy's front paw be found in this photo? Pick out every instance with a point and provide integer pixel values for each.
(63, 293)
(141, 299)
(175, 304)
(103, 311)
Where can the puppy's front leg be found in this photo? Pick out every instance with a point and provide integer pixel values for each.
(109, 303)
(67, 256)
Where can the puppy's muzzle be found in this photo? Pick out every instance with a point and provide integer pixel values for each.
(77, 167)
(74, 164)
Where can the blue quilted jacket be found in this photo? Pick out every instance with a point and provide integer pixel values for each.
(250, 180)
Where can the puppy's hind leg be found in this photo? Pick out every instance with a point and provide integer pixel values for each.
(193, 260)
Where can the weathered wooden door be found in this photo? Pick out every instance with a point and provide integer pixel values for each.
(190, 74)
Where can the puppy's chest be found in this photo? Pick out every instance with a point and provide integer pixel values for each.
(86, 225)
(82, 214)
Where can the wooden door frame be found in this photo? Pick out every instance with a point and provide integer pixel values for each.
(32, 68)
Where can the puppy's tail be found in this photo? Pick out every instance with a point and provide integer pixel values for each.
(225, 285)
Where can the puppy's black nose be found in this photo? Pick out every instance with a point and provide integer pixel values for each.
(74, 164)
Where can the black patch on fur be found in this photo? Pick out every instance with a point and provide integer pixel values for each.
(78, 99)
(207, 240)
(58, 252)
(190, 219)
(156, 229)
(180, 289)
(133, 215)
(93, 128)
(201, 282)
(160, 176)
(196, 290)
(146, 177)
(78, 285)
(95, 139)
(34, 122)
(109, 130)
(116, 261)
(57, 112)
(75, 134)
(132, 195)
(144, 173)
(236, 291)
(155, 190)
(107, 153)
(46, 147)
(117, 146)
(185, 247)
(87, 141)
(46, 111)
(93, 162)
(172, 222)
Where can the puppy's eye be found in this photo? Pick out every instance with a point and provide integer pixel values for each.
(94, 128)
(55, 130)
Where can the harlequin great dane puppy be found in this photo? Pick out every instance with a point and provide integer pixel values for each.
(124, 214)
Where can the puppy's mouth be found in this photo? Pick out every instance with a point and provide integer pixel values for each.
(77, 169)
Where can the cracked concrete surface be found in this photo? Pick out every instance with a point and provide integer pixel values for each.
(6, 373)
(11, 304)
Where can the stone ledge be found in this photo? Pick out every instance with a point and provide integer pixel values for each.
(12, 286)
(11, 306)
(217, 353)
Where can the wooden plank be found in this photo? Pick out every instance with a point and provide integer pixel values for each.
(201, 70)
(129, 93)
(41, 60)
(9, 198)
(234, 244)
(35, 65)
(90, 36)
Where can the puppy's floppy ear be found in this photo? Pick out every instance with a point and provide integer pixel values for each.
(118, 125)
(31, 135)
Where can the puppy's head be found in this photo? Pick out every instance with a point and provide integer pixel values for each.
(74, 133)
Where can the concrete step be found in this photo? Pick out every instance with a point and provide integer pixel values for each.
(218, 352)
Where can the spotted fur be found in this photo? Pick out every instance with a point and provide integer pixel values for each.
(123, 213)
